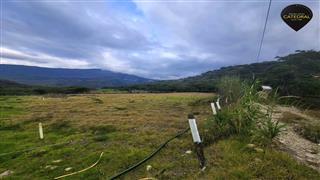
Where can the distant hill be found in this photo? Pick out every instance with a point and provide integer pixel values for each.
(13, 88)
(92, 78)
(295, 74)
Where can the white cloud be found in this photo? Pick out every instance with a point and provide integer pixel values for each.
(11, 56)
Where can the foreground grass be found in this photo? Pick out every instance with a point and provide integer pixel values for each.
(126, 127)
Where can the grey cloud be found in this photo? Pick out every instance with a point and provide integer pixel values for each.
(163, 40)
(66, 29)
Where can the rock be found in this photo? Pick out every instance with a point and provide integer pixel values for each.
(51, 167)
(68, 168)
(251, 146)
(57, 161)
(149, 167)
(259, 150)
(6, 173)
(188, 152)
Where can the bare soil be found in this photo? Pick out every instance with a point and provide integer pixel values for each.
(300, 148)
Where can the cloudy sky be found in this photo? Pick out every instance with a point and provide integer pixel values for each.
(154, 39)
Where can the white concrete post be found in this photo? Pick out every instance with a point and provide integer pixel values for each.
(194, 129)
(197, 141)
(214, 111)
(40, 131)
(218, 104)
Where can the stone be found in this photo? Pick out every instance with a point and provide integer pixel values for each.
(251, 146)
(68, 168)
(149, 167)
(188, 152)
(259, 150)
(51, 167)
(6, 173)
(57, 161)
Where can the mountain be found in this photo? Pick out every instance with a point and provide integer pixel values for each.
(295, 74)
(92, 78)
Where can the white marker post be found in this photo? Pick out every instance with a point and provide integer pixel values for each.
(218, 104)
(40, 131)
(197, 141)
(214, 111)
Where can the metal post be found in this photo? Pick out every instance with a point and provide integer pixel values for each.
(197, 141)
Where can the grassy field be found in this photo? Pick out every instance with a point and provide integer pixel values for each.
(126, 127)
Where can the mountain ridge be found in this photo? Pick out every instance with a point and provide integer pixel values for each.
(294, 74)
(91, 78)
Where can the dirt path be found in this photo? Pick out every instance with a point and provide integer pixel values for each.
(302, 149)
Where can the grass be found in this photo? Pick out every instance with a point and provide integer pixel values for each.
(232, 160)
(126, 127)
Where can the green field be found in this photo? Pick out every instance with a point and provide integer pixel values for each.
(126, 127)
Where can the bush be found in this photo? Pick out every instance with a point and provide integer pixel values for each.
(230, 88)
(243, 116)
(238, 117)
(218, 127)
(267, 129)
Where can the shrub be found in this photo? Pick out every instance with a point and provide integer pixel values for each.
(229, 87)
(244, 115)
(311, 133)
(218, 126)
(238, 118)
(268, 129)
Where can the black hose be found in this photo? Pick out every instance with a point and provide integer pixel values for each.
(149, 156)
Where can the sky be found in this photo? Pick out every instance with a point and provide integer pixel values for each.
(155, 39)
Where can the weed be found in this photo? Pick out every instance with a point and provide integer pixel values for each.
(241, 116)
(229, 87)
(268, 129)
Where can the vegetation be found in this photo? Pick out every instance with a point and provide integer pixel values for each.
(307, 127)
(127, 127)
(243, 115)
(296, 74)
(13, 88)
(127, 124)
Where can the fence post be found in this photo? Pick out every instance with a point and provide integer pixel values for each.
(214, 111)
(40, 131)
(197, 141)
(218, 104)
